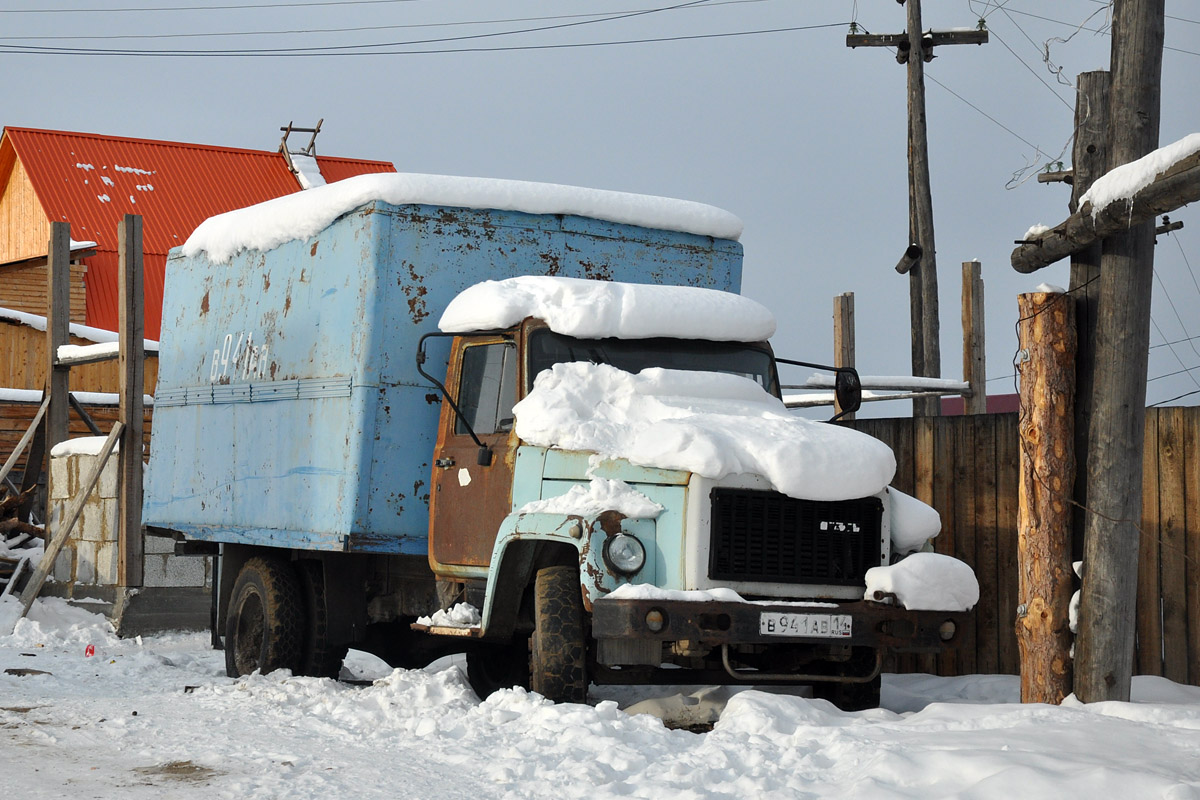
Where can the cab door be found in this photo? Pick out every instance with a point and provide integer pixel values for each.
(470, 499)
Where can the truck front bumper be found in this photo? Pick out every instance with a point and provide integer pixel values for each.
(861, 623)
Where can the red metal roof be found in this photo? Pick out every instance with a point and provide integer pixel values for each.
(92, 181)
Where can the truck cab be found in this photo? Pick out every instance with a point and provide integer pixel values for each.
(728, 581)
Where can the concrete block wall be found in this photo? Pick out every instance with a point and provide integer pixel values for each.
(90, 555)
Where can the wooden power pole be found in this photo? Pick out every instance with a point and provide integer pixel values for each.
(914, 47)
(1107, 608)
(1116, 431)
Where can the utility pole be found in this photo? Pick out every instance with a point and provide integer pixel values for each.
(914, 48)
(1089, 160)
(1117, 432)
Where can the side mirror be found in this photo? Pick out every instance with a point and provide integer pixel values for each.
(847, 388)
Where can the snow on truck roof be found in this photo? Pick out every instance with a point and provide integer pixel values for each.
(600, 309)
(302, 215)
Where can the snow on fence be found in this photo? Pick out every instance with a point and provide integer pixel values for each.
(967, 468)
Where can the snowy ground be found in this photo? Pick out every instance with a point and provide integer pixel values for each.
(157, 718)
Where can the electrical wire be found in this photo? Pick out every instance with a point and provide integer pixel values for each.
(1032, 71)
(356, 29)
(353, 47)
(234, 7)
(1101, 31)
(437, 51)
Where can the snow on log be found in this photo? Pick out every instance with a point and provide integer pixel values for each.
(1157, 183)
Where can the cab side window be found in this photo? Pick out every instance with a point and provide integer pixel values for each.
(487, 388)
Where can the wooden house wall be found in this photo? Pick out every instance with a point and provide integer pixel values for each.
(24, 229)
(23, 363)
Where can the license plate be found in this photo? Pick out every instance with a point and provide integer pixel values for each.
(829, 626)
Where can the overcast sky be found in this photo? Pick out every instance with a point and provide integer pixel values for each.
(798, 135)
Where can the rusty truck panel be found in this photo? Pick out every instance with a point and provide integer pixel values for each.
(291, 413)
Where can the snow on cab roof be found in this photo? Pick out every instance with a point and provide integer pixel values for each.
(302, 215)
(600, 309)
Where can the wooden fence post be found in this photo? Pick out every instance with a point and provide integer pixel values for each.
(131, 358)
(58, 332)
(974, 363)
(843, 337)
(1047, 475)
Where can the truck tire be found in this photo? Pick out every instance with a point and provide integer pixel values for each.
(491, 668)
(558, 648)
(319, 656)
(264, 628)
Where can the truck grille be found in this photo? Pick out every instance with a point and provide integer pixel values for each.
(767, 536)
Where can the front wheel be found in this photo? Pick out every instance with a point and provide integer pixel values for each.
(558, 649)
(264, 627)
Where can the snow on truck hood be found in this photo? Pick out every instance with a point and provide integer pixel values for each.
(708, 423)
(305, 214)
(598, 309)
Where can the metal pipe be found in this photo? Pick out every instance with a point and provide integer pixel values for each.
(755, 675)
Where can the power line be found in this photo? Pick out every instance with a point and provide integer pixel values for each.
(441, 51)
(1100, 31)
(1032, 71)
(340, 48)
(984, 113)
(356, 29)
(1177, 341)
(1173, 399)
(237, 7)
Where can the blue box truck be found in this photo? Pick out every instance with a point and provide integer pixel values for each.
(354, 469)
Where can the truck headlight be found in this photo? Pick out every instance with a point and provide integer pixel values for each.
(624, 554)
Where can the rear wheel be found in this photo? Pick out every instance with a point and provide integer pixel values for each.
(319, 657)
(263, 630)
(558, 649)
(491, 668)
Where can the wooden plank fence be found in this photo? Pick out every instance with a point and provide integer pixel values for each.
(966, 467)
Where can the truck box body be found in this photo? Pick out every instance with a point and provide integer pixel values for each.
(293, 416)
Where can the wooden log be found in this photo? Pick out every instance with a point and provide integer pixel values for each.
(1047, 335)
(1171, 190)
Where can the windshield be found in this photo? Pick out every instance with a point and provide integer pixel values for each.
(750, 360)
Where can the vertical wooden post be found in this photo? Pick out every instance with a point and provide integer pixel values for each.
(923, 277)
(1104, 663)
(132, 366)
(1047, 421)
(974, 360)
(843, 336)
(58, 331)
(1088, 162)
